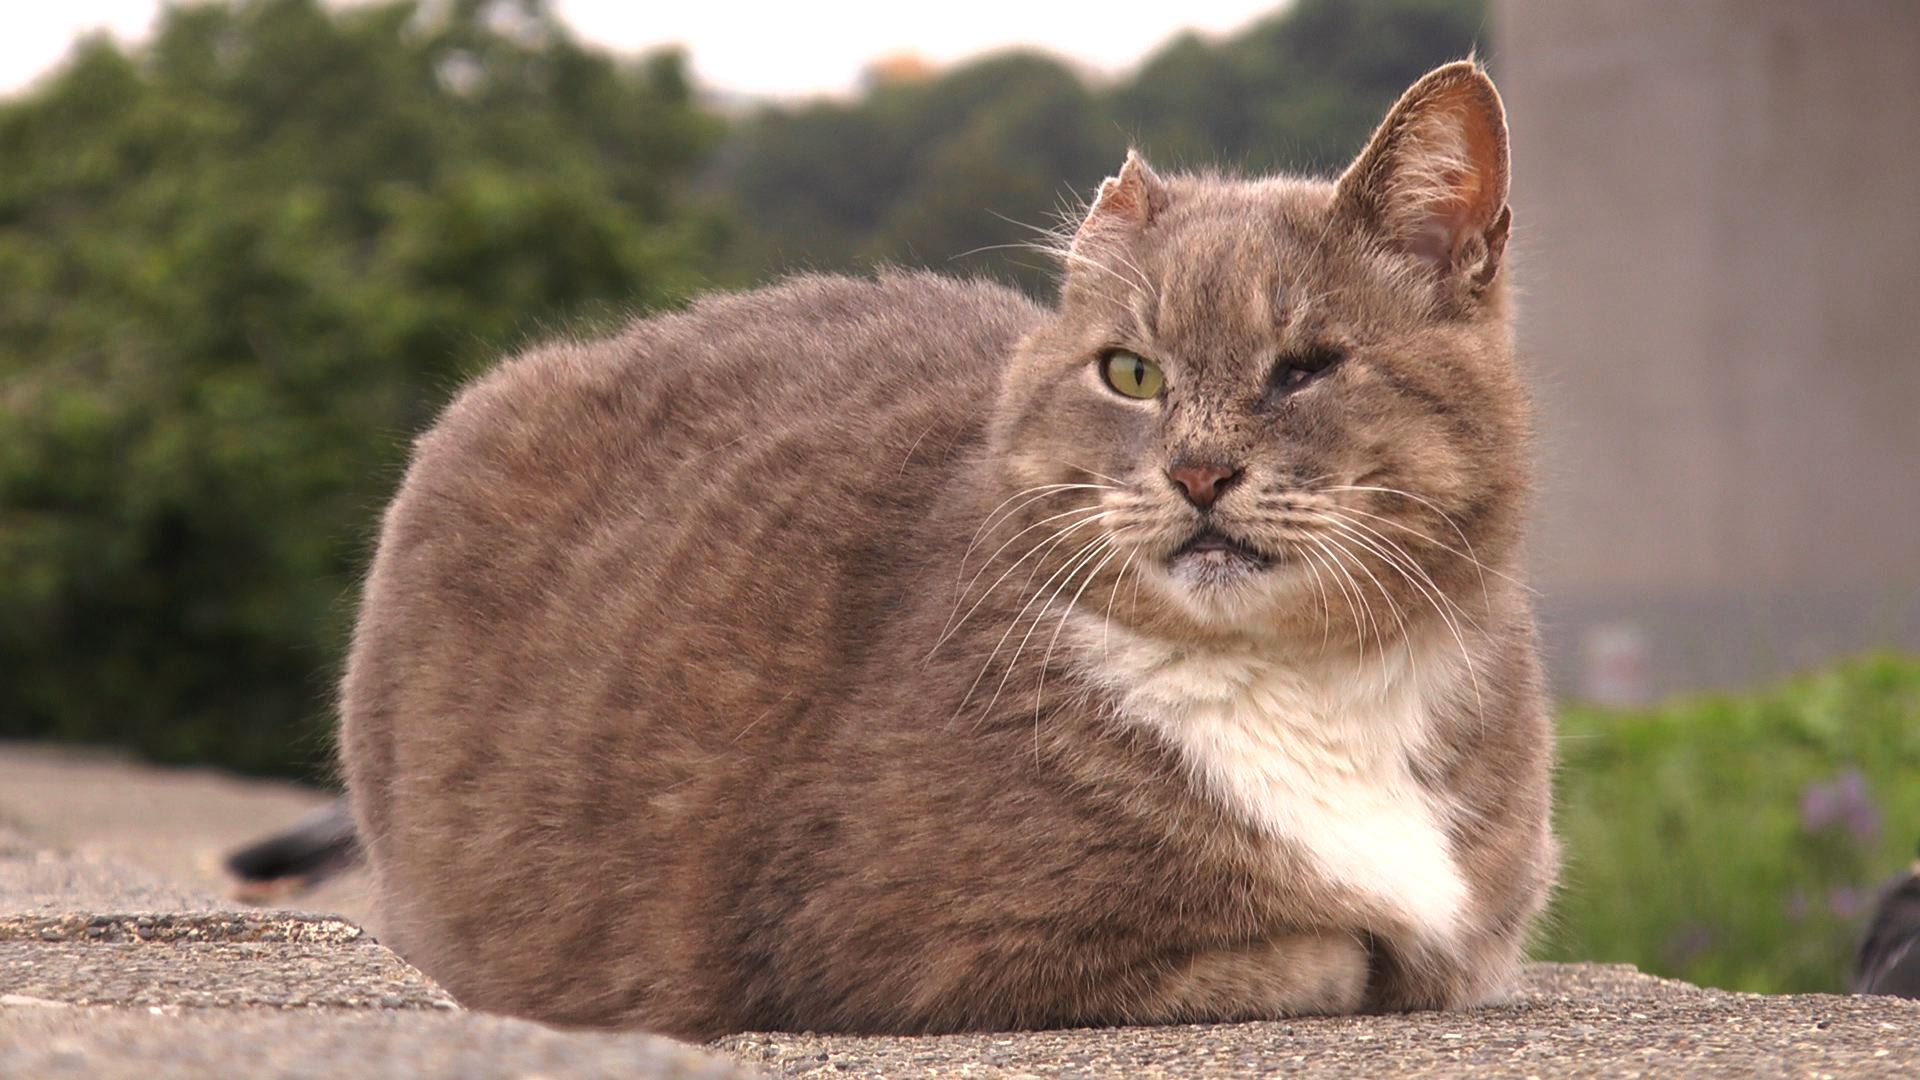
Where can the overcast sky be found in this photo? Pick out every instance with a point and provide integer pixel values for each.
(759, 47)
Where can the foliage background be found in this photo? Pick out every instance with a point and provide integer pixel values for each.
(242, 265)
(1739, 840)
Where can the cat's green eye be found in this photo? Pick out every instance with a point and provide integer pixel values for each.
(1134, 376)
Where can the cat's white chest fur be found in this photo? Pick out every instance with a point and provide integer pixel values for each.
(1313, 752)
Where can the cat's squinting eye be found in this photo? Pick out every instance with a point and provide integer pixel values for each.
(1132, 375)
(1294, 372)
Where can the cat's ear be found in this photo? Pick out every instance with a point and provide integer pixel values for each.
(1433, 180)
(1126, 204)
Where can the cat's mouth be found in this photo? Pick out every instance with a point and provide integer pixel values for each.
(1211, 545)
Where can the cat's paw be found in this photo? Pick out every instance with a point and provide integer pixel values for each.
(1298, 975)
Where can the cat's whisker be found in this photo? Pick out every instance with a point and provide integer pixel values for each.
(1405, 557)
(989, 561)
(1392, 563)
(751, 724)
(1064, 250)
(955, 620)
(1407, 566)
(1040, 685)
(993, 515)
(1432, 596)
(1017, 245)
(1393, 607)
(1344, 579)
(1326, 607)
(1014, 624)
(1057, 254)
(1096, 514)
(1451, 523)
(1139, 287)
(1106, 634)
(1133, 598)
(1123, 485)
(908, 457)
(1058, 234)
(1481, 569)
(1289, 489)
(1113, 252)
(1034, 624)
(1371, 545)
(1366, 617)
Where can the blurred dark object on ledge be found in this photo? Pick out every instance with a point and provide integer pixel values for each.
(290, 863)
(1889, 960)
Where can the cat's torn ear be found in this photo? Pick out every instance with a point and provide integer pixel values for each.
(1433, 180)
(1126, 204)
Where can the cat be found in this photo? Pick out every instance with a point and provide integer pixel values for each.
(901, 655)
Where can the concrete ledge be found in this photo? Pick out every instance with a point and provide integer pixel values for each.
(120, 958)
(216, 976)
(103, 1044)
(276, 926)
(1569, 1021)
(114, 967)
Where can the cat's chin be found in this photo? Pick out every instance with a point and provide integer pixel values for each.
(1213, 560)
(1235, 587)
(1213, 570)
(1212, 545)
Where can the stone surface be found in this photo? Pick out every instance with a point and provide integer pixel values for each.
(104, 1044)
(120, 957)
(175, 824)
(93, 931)
(1568, 1021)
(44, 882)
(199, 975)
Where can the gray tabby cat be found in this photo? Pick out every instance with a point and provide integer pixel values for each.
(901, 656)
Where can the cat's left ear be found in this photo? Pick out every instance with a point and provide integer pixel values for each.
(1127, 203)
(1433, 180)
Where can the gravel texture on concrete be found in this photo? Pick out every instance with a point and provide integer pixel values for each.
(221, 975)
(1567, 1021)
(174, 824)
(103, 1044)
(120, 957)
(91, 931)
(111, 968)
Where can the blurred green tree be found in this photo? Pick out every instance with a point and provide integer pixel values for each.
(955, 171)
(240, 267)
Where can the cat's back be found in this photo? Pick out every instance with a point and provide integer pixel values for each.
(739, 386)
(702, 444)
(607, 557)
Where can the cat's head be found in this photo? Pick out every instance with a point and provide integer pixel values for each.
(1285, 395)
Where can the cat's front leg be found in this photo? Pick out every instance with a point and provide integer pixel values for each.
(1298, 975)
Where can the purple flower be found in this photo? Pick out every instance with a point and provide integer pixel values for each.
(1688, 943)
(1843, 802)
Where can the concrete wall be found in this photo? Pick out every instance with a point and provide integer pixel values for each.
(1717, 233)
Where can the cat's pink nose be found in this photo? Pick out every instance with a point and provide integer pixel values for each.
(1203, 483)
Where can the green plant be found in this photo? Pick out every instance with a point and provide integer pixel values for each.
(1736, 840)
(242, 266)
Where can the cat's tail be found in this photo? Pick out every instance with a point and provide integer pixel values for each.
(317, 847)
